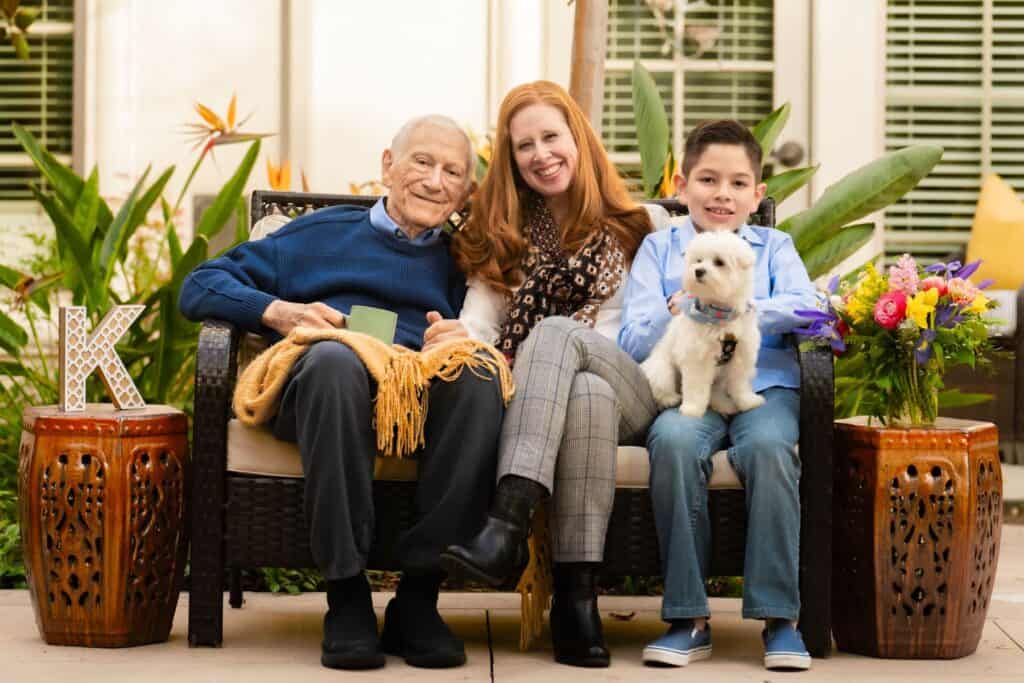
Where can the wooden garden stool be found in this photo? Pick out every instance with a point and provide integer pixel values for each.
(102, 497)
(917, 520)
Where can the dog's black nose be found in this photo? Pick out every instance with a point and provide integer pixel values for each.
(699, 273)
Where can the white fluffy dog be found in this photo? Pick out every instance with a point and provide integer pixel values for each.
(709, 352)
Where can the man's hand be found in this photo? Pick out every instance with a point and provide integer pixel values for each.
(283, 316)
(441, 330)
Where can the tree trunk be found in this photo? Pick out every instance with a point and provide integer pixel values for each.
(586, 85)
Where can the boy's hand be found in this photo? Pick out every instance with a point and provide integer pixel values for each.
(441, 330)
(673, 302)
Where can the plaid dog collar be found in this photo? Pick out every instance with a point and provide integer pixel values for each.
(709, 314)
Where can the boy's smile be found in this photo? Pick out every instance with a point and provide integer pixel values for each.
(721, 189)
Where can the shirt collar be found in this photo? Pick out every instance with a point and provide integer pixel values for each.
(687, 231)
(380, 220)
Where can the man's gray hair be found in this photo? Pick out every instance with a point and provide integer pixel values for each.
(401, 138)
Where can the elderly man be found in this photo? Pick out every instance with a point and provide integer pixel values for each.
(309, 273)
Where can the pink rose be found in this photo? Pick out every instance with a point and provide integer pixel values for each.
(890, 309)
(961, 291)
(934, 282)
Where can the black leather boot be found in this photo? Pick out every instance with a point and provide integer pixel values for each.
(413, 628)
(497, 555)
(350, 626)
(576, 633)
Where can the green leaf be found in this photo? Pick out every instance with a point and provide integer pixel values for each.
(87, 207)
(20, 46)
(781, 186)
(143, 206)
(112, 241)
(174, 244)
(822, 257)
(162, 362)
(870, 188)
(24, 17)
(9, 277)
(12, 336)
(652, 134)
(195, 255)
(768, 129)
(62, 179)
(220, 210)
(73, 242)
(954, 398)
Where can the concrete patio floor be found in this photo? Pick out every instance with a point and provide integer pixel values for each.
(276, 638)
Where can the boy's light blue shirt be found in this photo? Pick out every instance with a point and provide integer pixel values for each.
(781, 285)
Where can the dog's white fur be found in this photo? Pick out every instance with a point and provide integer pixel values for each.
(719, 270)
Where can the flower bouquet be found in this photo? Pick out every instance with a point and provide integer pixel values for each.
(895, 336)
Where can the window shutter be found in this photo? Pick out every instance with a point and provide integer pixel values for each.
(37, 94)
(724, 69)
(953, 78)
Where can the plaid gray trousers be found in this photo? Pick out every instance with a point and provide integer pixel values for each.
(577, 397)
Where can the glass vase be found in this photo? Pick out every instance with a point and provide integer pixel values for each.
(914, 398)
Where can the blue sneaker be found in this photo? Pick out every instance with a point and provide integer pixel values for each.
(784, 647)
(681, 645)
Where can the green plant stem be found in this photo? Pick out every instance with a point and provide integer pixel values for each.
(188, 181)
(35, 339)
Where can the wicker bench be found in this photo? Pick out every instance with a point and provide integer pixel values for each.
(247, 508)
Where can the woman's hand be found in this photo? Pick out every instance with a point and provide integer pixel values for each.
(441, 330)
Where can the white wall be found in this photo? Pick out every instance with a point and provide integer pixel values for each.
(848, 94)
(152, 61)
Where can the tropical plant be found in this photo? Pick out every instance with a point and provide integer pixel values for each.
(825, 233)
(14, 28)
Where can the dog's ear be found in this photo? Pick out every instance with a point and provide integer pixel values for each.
(744, 257)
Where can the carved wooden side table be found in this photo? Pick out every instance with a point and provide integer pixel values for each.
(917, 526)
(102, 497)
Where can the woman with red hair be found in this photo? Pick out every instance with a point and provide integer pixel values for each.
(547, 248)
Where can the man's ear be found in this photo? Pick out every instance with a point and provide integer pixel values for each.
(387, 161)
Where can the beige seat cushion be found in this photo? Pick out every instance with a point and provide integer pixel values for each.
(254, 450)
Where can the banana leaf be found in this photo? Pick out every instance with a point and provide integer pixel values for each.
(75, 247)
(652, 133)
(223, 205)
(870, 188)
(781, 186)
(768, 129)
(822, 257)
(954, 398)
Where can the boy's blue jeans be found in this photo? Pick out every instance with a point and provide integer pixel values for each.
(762, 450)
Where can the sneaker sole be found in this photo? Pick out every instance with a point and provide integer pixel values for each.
(787, 661)
(352, 662)
(657, 655)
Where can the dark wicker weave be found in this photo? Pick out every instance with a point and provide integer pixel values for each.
(245, 521)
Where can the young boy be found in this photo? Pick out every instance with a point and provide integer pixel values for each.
(720, 182)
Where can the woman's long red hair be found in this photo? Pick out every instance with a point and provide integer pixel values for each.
(491, 244)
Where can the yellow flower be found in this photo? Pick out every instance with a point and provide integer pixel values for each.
(279, 177)
(860, 305)
(921, 305)
(979, 305)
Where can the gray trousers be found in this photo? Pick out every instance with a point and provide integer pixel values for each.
(577, 397)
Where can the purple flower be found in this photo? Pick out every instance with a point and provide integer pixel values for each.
(923, 350)
(947, 269)
(968, 270)
(986, 283)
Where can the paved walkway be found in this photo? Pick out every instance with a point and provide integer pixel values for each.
(276, 638)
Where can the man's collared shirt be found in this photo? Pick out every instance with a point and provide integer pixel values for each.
(781, 286)
(381, 221)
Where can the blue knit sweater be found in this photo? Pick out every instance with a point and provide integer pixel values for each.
(333, 255)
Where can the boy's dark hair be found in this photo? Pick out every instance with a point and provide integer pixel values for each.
(720, 132)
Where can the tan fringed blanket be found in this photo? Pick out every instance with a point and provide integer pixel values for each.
(400, 412)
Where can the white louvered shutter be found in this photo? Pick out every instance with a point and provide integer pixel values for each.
(731, 78)
(37, 94)
(955, 78)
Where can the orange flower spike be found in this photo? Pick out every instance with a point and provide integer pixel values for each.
(284, 179)
(232, 111)
(305, 182)
(272, 174)
(216, 123)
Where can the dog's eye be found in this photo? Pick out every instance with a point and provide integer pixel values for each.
(719, 262)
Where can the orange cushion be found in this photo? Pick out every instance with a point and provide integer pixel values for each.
(997, 236)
